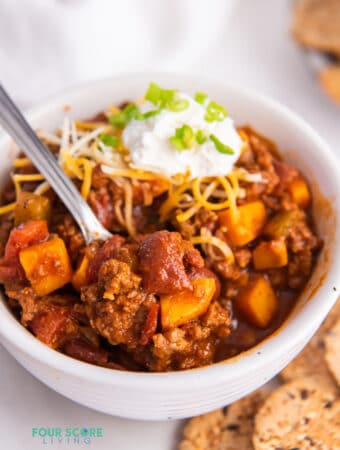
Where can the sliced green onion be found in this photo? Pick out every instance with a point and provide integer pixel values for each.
(131, 111)
(184, 138)
(188, 136)
(109, 140)
(121, 119)
(179, 104)
(200, 97)
(177, 143)
(220, 147)
(167, 96)
(148, 114)
(215, 112)
(153, 94)
(200, 137)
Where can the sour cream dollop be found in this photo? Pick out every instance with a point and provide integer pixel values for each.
(150, 148)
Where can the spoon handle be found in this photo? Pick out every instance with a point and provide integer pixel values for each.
(17, 127)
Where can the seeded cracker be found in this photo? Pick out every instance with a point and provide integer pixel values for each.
(303, 414)
(225, 429)
(331, 319)
(332, 342)
(316, 24)
(311, 361)
(330, 81)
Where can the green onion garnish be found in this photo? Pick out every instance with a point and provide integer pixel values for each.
(215, 112)
(148, 114)
(109, 140)
(200, 137)
(200, 97)
(220, 147)
(121, 119)
(177, 143)
(165, 98)
(153, 94)
(184, 138)
(179, 104)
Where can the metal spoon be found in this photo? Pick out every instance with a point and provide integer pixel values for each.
(18, 128)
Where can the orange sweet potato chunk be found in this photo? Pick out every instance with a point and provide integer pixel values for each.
(80, 277)
(47, 266)
(257, 302)
(179, 308)
(270, 255)
(246, 225)
(299, 192)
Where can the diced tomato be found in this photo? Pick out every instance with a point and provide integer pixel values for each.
(107, 251)
(79, 349)
(23, 236)
(53, 325)
(285, 172)
(150, 325)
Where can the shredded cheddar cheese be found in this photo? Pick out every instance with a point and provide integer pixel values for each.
(81, 148)
(7, 208)
(213, 240)
(21, 162)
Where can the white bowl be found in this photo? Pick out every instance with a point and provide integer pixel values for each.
(160, 396)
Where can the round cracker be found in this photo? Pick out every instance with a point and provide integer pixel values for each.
(331, 319)
(309, 362)
(330, 81)
(230, 428)
(332, 343)
(316, 24)
(298, 415)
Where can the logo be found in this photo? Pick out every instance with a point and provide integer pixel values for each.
(70, 436)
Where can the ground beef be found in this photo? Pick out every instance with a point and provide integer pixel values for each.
(299, 268)
(192, 227)
(50, 319)
(64, 225)
(116, 305)
(194, 343)
(164, 260)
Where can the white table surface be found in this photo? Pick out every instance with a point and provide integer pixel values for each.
(255, 50)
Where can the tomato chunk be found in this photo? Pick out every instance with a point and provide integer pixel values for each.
(21, 237)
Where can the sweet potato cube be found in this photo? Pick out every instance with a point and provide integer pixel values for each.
(177, 309)
(246, 225)
(257, 302)
(269, 255)
(299, 192)
(47, 266)
(80, 277)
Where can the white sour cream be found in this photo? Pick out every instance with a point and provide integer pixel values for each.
(150, 147)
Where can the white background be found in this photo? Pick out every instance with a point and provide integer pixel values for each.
(254, 49)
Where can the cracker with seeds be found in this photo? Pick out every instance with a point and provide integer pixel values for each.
(302, 414)
(330, 81)
(316, 24)
(331, 318)
(332, 344)
(230, 428)
(311, 361)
